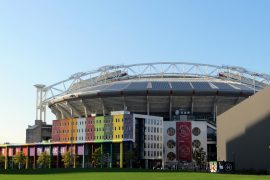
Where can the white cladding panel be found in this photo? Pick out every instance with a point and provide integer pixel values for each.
(169, 141)
(153, 136)
(81, 129)
(199, 134)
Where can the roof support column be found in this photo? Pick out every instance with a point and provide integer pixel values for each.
(124, 103)
(86, 108)
(59, 109)
(215, 109)
(192, 104)
(103, 108)
(147, 105)
(170, 110)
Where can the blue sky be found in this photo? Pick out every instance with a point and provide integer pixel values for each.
(47, 41)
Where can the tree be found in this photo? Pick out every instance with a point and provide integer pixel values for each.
(2, 160)
(199, 156)
(66, 159)
(96, 157)
(19, 159)
(43, 160)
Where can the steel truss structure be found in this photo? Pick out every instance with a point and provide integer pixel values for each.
(111, 73)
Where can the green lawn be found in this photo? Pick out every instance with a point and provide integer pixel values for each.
(128, 176)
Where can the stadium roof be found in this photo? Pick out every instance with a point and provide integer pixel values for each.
(150, 78)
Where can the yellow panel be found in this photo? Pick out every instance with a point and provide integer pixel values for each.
(72, 126)
(118, 128)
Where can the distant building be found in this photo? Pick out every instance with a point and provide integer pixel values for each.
(243, 133)
(38, 132)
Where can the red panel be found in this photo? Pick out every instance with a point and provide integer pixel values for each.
(183, 141)
(55, 130)
(90, 126)
(25, 151)
(17, 150)
(4, 151)
(10, 152)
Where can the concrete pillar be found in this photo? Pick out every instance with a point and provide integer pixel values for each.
(92, 153)
(74, 156)
(6, 159)
(101, 149)
(50, 163)
(130, 149)
(83, 160)
(121, 155)
(146, 164)
(57, 165)
(34, 164)
(27, 159)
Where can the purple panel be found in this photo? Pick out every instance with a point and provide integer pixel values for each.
(55, 151)
(39, 151)
(128, 127)
(80, 150)
(47, 150)
(63, 150)
(32, 151)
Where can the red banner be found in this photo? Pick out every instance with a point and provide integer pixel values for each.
(183, 141)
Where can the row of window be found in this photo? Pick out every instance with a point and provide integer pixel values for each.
(89, 122)
(153, 145)
(153, 129)
(153, 122)
(89, 130)
(152, 153)
(107, 137)
(153, 138)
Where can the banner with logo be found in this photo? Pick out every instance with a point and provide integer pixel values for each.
(183, 141)
(213, 166)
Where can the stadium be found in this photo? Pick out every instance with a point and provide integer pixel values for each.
(162, 112)
(155, 88)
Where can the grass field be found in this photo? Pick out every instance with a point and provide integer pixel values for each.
(124, 176)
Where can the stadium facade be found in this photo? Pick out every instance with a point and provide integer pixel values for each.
(163, 112)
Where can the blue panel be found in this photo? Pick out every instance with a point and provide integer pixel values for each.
(137, 85)
(95, 88)
(128, 127)
(223, 86)
(201, 86)
(160, 85)
(181, 85)
(117, 86)
(243, 87)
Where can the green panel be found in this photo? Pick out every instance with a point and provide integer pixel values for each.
(99, 129)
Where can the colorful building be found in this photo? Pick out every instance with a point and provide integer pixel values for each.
(125, 140)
